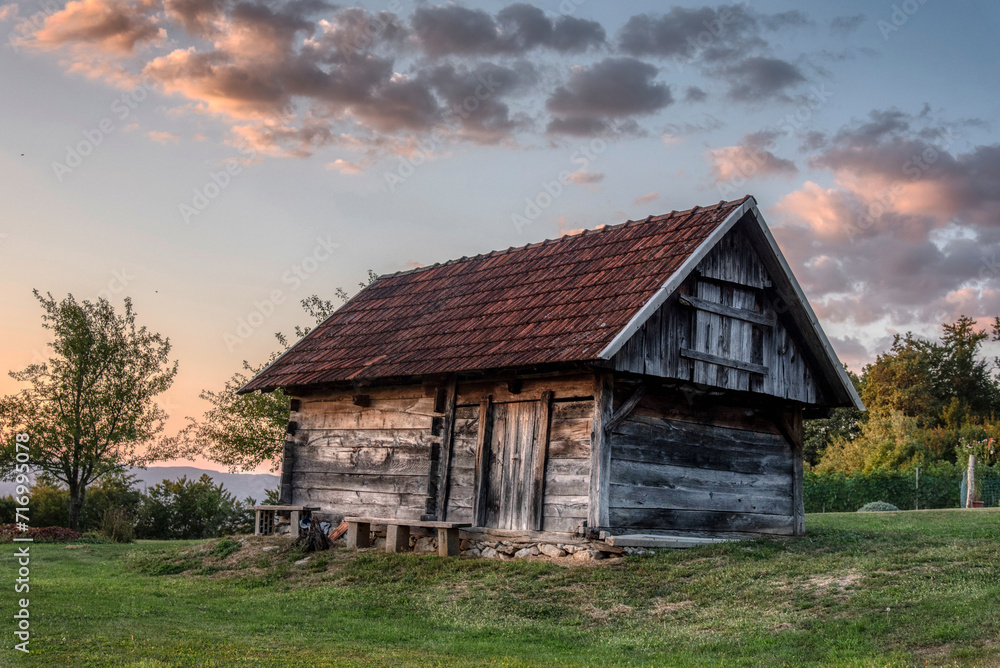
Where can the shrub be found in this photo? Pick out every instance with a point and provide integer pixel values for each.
(225, 547)
(118, 525)
(180, 509)
(93, 538)
(39, 534)
(877, 507)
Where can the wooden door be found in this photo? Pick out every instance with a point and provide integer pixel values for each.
(512, 481)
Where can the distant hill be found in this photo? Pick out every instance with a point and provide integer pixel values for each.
(241, 485)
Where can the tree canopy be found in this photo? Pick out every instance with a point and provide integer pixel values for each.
(927, 401)
(89, 409)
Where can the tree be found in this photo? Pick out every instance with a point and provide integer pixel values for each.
(944, 383)
(843, 424)
(90, 409)
(243, 431)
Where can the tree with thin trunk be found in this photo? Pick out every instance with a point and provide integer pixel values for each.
(90, 409)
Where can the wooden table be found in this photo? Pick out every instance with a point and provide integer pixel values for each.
(264, 524)
(397, 537)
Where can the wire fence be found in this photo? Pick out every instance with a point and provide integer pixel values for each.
(939, 486)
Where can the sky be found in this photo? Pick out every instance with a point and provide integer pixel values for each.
(218, 161)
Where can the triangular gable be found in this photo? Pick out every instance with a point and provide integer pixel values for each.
(690, 330)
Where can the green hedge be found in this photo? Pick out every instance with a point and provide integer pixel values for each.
(939, 488)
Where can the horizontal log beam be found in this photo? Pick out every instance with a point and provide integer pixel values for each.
(723, 361)
(763, 319)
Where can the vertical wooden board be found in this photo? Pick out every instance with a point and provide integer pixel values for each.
(684, 331)
(494, 478)
(653, 345)
(600, 450)
(481, 475)
(524, 482)
(540, 455)
(447, 436)
(798, 500)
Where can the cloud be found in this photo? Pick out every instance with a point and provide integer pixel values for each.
(8, 12)
(475, 98)
(790, 19)
(110, 25)
(198, 17)
(694, 94)
(851, 352)
(164, 138)
(749, 159)
(843, 26)
(670, 140)
(684, 34)
(647, 198)
(906, 234)
(566, 227)
(760, 79)
(444, 30)
(583, 177)
(611, 88)
(293, 77)
(345, 166)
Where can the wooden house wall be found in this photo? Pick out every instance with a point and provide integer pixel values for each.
(567, 464)
(372, 460)
(714, 468)
(567, 467)
(376, 460)
(733, 277)
(463, 464)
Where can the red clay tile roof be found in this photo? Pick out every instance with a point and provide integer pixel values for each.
(560, 300)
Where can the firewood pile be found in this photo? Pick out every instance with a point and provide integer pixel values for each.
(314, 539)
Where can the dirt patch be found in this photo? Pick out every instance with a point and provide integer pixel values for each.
(935, 652)
(661, 608)
(601, 614)
(824, 583)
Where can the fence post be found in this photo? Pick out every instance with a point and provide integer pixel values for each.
(916, 491)
(970, 480)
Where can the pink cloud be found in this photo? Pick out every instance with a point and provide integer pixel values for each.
(584, 177)
(164, 138)
(109, 25)
(647, 198)
(345, 166)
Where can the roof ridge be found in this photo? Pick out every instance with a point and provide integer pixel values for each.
(599, 229)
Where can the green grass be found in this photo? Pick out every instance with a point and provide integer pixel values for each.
(879, 589)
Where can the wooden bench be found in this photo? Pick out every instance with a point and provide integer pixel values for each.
(397, 537)
(264, 524)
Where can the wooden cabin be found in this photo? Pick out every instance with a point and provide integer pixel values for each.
(643, 378)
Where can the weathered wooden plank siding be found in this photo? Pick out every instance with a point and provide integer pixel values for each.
(732, 276)
(567, 469)
(365, 460)
(710, 468)
(463, 464)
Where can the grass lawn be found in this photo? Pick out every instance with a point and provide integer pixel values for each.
(881, 589)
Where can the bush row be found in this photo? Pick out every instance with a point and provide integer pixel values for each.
(173, 509)
(939, 487)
